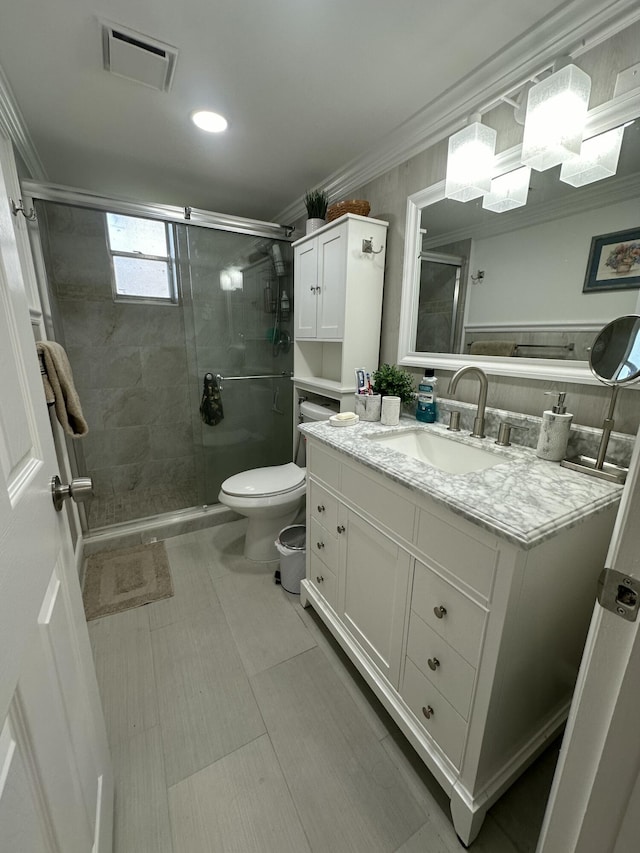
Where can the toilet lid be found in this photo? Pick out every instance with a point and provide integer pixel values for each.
(258, 482)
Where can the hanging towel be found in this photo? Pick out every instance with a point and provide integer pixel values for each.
(211, 405)
(59, 390)
(493, 348)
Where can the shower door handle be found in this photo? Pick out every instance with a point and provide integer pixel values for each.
(79, 489)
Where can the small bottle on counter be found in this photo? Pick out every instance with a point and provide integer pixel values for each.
(554, 430)
(427, 407)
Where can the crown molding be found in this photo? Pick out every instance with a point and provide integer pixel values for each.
(14, 127)
(572, 30)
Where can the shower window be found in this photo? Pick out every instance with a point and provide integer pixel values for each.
(142, 258)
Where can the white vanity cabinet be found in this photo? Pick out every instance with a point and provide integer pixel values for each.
(471, 642)
(338, 304)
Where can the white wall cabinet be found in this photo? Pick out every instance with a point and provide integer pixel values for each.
(338, 305)
(320, 282)
(472, 643)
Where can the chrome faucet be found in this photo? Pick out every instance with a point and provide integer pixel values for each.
(478, 424)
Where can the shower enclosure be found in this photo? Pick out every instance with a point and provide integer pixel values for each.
(145, 309)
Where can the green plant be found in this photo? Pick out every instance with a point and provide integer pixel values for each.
(389, 380)
(316, 202)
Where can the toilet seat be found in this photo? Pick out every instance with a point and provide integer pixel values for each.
(262, 482)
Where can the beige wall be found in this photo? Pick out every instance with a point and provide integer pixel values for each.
(388, 194)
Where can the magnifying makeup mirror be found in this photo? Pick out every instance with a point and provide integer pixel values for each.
(615, 360)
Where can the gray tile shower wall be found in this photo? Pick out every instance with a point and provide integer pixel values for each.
(130, 367)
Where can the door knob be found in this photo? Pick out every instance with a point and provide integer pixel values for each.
(80, 489)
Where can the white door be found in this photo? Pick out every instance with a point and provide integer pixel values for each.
(332, 280)
(56, 787)
(306, 285)
(594, 806)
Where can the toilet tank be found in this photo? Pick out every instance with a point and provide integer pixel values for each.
(316, 412)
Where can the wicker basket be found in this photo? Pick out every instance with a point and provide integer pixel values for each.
(354, 205)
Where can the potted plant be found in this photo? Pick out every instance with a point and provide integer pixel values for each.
(316, 202)
(392, 381)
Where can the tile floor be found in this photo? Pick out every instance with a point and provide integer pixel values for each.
(237, 724)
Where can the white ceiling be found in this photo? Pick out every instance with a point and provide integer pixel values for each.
(307, 85)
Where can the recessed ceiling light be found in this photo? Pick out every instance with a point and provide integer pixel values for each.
(211, 122)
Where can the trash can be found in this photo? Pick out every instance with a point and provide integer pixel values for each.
(291, 545)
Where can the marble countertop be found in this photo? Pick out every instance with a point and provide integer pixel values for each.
(524, 499)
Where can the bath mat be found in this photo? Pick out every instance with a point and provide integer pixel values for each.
(127, 578)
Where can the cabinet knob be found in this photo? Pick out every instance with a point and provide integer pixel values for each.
(318, 289)
(341, 528)
(434, 663)
(319, 578)
(428, 711)
(313, 289)
(320, 544)
(440, 611)
(320, 508)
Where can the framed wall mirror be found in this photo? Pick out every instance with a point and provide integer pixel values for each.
(517, 306)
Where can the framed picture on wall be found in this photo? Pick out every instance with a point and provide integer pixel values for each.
(614, 262)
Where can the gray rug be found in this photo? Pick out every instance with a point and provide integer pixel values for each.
(127, 578)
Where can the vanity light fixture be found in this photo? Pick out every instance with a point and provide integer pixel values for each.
(508, 191)
(555, 119)
(598, 159)
(209, 121)
(470, 160)
(231, 279)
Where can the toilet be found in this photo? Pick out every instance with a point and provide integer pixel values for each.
(270, 498)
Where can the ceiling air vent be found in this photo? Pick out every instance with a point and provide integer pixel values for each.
(138, 57)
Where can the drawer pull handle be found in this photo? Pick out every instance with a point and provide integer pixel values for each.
(319, 579)
(320, 545)
(434, 663)
(440, 611)
(428, 711)
(341, 528)
(320, 508)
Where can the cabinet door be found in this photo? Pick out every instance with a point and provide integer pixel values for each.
(374, 575)
(306, 283)
(332, 271)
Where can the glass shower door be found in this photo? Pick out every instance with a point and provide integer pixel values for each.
(240, 290)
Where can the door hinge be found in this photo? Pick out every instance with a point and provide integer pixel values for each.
(619, 593)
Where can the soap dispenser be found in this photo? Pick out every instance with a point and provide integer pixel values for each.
(554, 430)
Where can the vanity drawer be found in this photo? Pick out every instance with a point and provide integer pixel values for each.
(323, 506)
(461, 621)
(448, 671)
(323, 544)
(391, 509)
(444, 724)
(325, 466)
(467, 557)
(323, 579)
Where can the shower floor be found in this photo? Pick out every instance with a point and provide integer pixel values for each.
(103, 511)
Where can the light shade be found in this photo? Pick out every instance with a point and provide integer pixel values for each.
(470, 162)
(598, 159)
(508, 191)
(556, 115)
(231, 279)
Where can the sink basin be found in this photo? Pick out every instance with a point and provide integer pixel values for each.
(448, 455)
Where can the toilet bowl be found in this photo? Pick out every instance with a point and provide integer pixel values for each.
(270, 498)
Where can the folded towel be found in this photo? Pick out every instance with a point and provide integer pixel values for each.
(59, 389)
(211, 405)
(493, 348)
